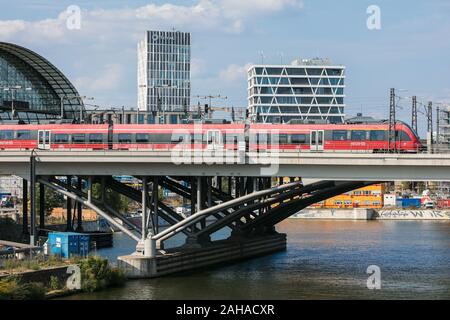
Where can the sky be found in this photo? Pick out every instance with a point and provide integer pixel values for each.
(410, 51)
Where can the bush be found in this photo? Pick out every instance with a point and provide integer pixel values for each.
(96, 274)
(8, 288)
(22, 265)
(54, 283)
(33, 291)
(11, 288)
(117, 277)
(11, 264)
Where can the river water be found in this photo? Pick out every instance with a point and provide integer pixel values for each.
(324, 260)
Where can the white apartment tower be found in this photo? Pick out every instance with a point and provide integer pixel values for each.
(306, 90)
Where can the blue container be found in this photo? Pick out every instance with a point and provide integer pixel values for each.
(67, 244)
(408, 203)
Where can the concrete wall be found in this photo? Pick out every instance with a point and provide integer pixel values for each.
(44, 275)
(404, 214)
(340, 214)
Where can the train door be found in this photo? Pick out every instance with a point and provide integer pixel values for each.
(317, 140)
(214, 139)
(44, 139)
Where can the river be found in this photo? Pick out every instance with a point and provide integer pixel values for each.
(324, 260)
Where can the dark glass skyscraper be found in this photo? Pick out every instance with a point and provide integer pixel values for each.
(164, 65)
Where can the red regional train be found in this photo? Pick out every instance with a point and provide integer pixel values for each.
(305, 137)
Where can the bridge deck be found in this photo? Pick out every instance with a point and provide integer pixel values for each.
(331, 166)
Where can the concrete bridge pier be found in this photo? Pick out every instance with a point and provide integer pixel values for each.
(69, 224)
(41, 209)
(25, 230)
(79, 227)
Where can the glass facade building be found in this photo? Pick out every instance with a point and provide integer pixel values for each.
(164, 65)
(34, 88)
(306, 90)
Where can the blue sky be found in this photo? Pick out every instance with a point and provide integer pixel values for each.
(411, 51)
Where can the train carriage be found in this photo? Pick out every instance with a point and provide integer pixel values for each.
(332, 137)
(54, 136)
(254, 137)
(167, 136)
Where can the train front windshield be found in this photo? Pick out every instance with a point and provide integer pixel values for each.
(413, 132)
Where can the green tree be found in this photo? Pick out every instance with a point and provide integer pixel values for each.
(97, 274)
(115, 200)
(52, 200)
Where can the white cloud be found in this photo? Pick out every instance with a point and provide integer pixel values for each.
(107, 39)
(234, 73)
(225, 15)
(243, 8)
(11, 27)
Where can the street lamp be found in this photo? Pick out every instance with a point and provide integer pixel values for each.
(13, 90)
(68, 98)
(92, 111)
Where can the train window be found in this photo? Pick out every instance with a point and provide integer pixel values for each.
(177, 138)
(124, 138)
(263, 138)
(23, 135)
(359, 135)
(95, 138)
(377, 135)
(298, 138)
(6, 134)
(402, 136)
(339, 135)
(78, 138)
(231, 139)
(197, 138)
(160, 138)
(61, 138)
(283, 139)
(142, 137)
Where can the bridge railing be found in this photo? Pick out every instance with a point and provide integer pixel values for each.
(436, 149)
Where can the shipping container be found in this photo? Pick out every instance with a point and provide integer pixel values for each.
(67, 244)
(443, 203)
(408, 202)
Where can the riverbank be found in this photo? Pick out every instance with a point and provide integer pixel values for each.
(373, 214)
(50, 277)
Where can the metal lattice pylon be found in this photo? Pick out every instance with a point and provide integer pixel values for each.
(392, 138)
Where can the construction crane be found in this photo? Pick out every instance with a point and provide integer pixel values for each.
(208, 107)
(231, 110)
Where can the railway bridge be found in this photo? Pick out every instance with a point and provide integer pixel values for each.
(238, 192)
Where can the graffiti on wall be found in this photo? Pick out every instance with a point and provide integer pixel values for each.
(414, 214)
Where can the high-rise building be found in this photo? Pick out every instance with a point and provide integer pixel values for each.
(164, 65)
(306, 90)
(444, 127)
